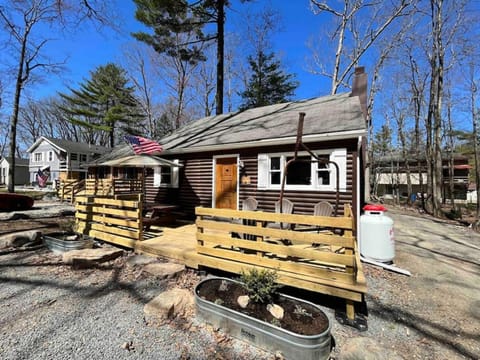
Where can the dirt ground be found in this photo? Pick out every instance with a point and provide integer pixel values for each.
(432, 314)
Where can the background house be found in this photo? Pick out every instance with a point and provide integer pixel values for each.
(21, 171)
(391, 176)
(65, 158)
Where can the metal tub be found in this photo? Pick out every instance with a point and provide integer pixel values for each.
(262, 334)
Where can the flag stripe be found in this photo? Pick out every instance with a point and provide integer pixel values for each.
(141, 145)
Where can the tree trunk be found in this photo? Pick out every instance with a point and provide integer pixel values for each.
(220, 53)
(14, 118)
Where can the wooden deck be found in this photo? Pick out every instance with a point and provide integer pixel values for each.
(177, 243)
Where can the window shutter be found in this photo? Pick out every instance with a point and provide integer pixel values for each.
(175, 174)
(339, 156)
(157, 176)
(262, 171)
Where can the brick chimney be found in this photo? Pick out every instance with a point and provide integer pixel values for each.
(359, 87)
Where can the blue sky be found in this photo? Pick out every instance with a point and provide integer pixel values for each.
(87, 48)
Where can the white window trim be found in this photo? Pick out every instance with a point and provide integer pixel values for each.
(40, 157)
(174, 178)
(339, 156)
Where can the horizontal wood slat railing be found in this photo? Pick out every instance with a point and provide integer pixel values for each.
(68, 188)
(319, 254)
(113, 220)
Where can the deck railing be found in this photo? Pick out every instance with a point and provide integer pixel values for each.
(109, 219)
(69, 188)
(319, 254)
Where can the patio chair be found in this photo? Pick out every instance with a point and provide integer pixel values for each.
(323, 208)
(284, 207)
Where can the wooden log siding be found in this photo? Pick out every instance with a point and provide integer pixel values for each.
(331, 266)
(112, 220)
(195, 186)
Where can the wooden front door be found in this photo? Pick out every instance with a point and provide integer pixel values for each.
(226, 183)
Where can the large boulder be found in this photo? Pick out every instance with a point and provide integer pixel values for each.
(89, 257)
(164, 270)
(19, 239)
(168, 305)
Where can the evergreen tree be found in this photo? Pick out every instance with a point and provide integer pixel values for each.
(105, 103)
(268, 83)
(174, 19)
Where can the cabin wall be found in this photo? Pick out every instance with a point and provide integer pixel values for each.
(196, 180)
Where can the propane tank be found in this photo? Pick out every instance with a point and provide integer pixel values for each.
(376, 234)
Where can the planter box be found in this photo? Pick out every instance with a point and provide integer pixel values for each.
(59, 242)
(263, 334)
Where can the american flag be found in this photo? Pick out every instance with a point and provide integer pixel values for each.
(141, 145)
(42, 177)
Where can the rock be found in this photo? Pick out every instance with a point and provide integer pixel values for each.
(362, 348)
(164, 270)
(168, 305)
(140, 260)
(276, 311)
(19, 239)
(88, 257)
(243, 301)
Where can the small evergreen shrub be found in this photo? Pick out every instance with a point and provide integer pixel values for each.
(261, 285)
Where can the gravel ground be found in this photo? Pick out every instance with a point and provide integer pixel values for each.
(50, 311)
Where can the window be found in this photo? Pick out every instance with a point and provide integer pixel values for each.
(304, 174)
(166, 176)
(37, 157)
(50, 156)
(74, 156)
(83, 157)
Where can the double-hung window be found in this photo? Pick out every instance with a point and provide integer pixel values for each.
(305, 173)
(38, 157)
(166, 176)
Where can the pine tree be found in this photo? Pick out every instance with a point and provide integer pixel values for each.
(105, 103)
(268, 84)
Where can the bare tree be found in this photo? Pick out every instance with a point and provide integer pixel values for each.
(23, 21)
(475, 118)
(380, 17)
(140, 61)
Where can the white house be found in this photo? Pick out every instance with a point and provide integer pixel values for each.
(21, 171)
(63, 157)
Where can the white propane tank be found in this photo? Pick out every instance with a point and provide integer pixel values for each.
(376, 234)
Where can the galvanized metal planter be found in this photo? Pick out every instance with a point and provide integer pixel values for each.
(263, 334)
(60, 242)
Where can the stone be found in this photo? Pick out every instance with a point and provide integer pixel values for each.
(243, 301)
(362, 348)
(164, 270)
(19, 238)
(90, 257)
(276, 311)
(140, 260)
(168, 305)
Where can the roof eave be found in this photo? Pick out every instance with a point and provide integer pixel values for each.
(343, 135)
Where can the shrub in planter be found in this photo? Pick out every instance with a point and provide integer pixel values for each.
(303, 332)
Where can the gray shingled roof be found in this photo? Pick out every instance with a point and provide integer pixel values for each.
(73, 146)
(327, 114)
(18, 161)
(117, 152)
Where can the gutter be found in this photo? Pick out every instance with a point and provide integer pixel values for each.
(352, 134)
